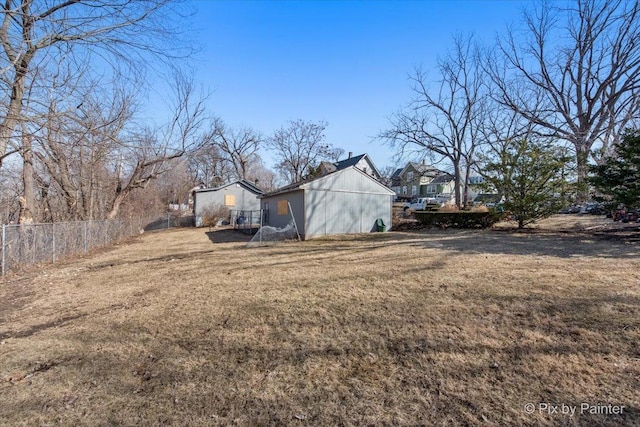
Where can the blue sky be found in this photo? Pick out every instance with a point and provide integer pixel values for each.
(344, 62)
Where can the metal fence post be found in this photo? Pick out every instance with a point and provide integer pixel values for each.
(53, 240)
(260, 229)
(4, 240)
(84, 237)
(33, 252)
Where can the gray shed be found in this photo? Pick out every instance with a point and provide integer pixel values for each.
(238, 195)
(345, 201)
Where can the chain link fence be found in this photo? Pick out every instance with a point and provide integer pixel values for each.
(247, 221)
(36, 243)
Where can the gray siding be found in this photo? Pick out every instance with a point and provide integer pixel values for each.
(346, 202)
(352, 180)
(244, 199)
(343, 202)
(296, 199)
(345, 212)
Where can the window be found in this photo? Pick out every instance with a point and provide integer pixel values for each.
(414, 190)
(404, 190)
(432, 189)
(229, 199)
(283, 207)
(410, 176)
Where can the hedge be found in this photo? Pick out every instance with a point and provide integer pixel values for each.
(458, 219)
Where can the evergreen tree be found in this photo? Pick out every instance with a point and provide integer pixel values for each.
(529, 177)
(619, 176)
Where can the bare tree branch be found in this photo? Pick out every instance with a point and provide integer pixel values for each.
(127, 31)
(298, 147)
(575, 73)
(443, 120)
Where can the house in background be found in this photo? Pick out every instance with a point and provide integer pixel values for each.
(238, 195)
(362, 162)
(422, 180)
(348, 200)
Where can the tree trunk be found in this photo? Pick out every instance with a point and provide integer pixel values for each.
(14, 109)
(115, 206)
(582, 167)
(467, 171)
(456, 183)
(28, 199)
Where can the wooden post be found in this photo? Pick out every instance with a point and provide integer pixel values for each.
(294, 220)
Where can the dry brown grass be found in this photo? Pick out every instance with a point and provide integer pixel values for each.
(436, 328)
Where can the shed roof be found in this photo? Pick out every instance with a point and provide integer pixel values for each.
(351, 161)
(247, 185)
(303, 185)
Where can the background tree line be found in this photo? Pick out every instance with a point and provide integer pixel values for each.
(567, 80)
(75, 75)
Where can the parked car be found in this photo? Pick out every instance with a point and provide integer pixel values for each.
(423, 203)
(571, 209)
(593, 208)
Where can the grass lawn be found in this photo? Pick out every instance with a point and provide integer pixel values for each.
(189, 327)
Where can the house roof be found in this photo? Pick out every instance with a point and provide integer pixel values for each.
(352, 161)
(302, 185)
(248, 185)
(424, 169)
(443, 178)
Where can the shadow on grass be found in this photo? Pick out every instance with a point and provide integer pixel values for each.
(227, 235)
(539, 244)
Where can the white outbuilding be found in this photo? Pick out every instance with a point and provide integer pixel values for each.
(341, 202)
(240, 195)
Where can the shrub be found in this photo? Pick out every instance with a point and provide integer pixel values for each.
(481, 208)
(213, 214)
(449, 207)
(459, 219)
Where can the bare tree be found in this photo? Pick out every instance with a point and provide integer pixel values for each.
(239, 147)
(78, 153)
(443, 120)
(574, 73)
(262, 176)
(10, 191)
(174, 186)
(114, 32)
(147, 155)
(86, 161)
(57, 86)
(386, 173)
(209, 167)
(298, 147)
